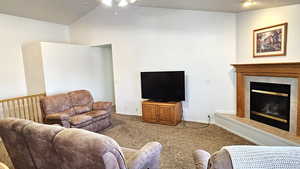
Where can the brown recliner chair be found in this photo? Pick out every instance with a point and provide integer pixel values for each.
(76, 109)
(38, 146)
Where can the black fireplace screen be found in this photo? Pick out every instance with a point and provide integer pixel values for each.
(270, 104)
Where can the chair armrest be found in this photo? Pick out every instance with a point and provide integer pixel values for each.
(102, 105)
(201, 159)
(147, 157)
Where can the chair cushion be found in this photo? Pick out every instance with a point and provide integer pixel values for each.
(56, 104)
(39, 139)
(78, 119)
(129, 154)
(81, 100)
(11, 132)
(81, 149)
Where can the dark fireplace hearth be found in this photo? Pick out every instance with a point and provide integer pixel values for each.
(270, 104)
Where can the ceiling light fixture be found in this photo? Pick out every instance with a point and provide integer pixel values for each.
(107, 2)
(132, 1)
(123, 3)
(249, 3)
(119, 3)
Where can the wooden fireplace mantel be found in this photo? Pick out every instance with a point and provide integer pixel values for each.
(285, 69)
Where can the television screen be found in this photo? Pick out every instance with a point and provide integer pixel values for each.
(163, 86)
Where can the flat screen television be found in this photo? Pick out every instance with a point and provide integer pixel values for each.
(163, 86)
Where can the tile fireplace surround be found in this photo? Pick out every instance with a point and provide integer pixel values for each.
(284, 73)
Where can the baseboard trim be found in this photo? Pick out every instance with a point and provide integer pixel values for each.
(129, 114)
(250, 133)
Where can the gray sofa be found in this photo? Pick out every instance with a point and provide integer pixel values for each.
(39, 146)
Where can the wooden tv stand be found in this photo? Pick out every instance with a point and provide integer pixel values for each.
(169, 113)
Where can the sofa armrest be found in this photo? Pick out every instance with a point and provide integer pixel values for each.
(147, 157)
(102, 105)
(59, 118)
(201, 159)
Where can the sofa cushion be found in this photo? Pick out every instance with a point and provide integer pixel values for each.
(81, 100)
(56, 104)
(102, 105)
(82, 109)
(78, 119)
(97, 113)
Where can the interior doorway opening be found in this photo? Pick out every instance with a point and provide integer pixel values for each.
(107, 88)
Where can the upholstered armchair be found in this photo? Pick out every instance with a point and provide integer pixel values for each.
(77, 109)
(36, 146)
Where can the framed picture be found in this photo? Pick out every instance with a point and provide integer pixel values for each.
(270, 41)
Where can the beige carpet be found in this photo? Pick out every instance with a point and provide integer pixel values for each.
(178, 142)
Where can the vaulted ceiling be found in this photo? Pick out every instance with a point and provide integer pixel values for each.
(57, 11)
(215, 5)
(68, 11)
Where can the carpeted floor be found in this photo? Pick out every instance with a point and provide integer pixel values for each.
(178, 142)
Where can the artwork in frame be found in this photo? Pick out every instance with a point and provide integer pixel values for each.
(270, 41)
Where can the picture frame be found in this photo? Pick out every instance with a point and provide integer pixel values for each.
(270, 41)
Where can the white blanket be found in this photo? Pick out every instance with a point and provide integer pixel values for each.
(262, 157)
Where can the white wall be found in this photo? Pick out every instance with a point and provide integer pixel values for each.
(249, 21)
(70, 67)
(104, 68)
(33, 68)
(203, 44)
(15, 32)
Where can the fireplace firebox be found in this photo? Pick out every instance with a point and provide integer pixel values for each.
(270, 104)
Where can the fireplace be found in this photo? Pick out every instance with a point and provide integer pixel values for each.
(270, 104)
(289, 73)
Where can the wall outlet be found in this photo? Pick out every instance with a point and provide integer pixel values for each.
(210, 117)
(138, 112)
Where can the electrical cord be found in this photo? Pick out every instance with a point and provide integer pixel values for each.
(201, 127)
